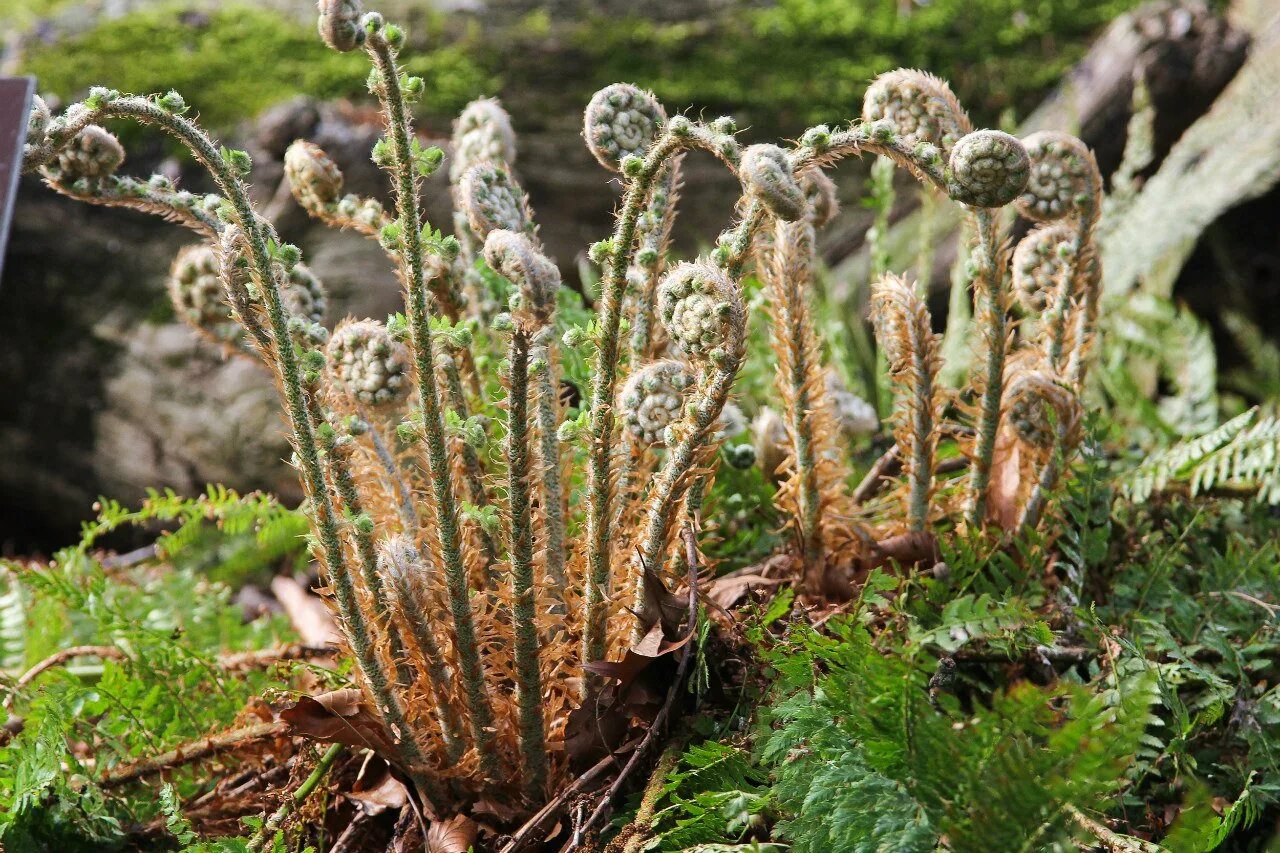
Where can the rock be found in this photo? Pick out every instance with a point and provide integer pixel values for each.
(178, 413)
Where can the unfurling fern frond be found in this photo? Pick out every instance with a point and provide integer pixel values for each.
(1242, 457)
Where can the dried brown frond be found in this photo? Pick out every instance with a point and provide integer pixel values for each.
(904, 331)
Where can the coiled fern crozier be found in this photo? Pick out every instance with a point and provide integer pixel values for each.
(474, 589)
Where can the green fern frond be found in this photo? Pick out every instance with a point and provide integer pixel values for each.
(1242, 455)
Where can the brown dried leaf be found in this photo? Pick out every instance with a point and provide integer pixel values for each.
(594, 730)
(379, 792)
(662, 606)
(339, 716)
(1006, 480)
(503, 813)
(729, 590)
(639, 682)
(455, 835)
(638, 658)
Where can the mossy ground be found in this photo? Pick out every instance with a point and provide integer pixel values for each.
(777, 67)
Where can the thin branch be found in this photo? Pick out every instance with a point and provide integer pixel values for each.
(531, 832)
(57, 659)
(268, 657)
(1272, 609)
(889, 465)
(194, 751)
(1124, 843)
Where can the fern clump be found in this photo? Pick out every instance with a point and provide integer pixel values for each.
(503, 560)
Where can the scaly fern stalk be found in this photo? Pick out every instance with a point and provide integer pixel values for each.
(701, 307)
(337, 457)
(524, 607)
(1065, 181)
(400, 564)
(358, 631)
(156, 197)
(235, 288)
(472, 670)
(603, 383)
(679, 134)
(673, 479)
(472, 469)
(338, 461)
(880, 199)
(930, 207)
(548, 418)
(391, 469)
(519, 258)
(649, 264)
(992, 319)
(1046, 417)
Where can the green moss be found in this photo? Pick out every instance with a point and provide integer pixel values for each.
(234, 62)
(778, 68)
(798, 62)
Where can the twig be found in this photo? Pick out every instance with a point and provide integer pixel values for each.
(233, 661)
(1224, 491)
(350, 839)
(1273, 609)
(529, 833)
(297, 798)
(633, 834)
(1115, 841)
(130, 558)
(267, 657)
(602, 808)
(889, 463)
(307, 612)
(56, 659)
(1055, 654)
(887, 467)
(189, 752)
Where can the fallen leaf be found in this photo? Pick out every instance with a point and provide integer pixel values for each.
(729, 590)
(379, 793)
(594, 729)
(454, 835)
(339, 716)
(503, 813)
(638, 658)
(661, 606)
